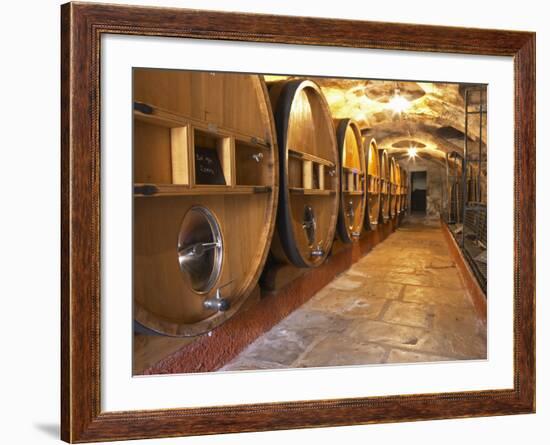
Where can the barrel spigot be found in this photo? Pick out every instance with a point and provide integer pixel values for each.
(217, 302)
(318, 251)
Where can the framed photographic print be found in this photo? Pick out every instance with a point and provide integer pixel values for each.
(279, 222)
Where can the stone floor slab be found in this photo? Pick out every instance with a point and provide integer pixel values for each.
(410, 314)
(312, 320)
(385, 333)
(457, 319)
(436, 295)
(379, 289)
(281, 350)
(337, 350)
(250, 364)
(346, 282)
(457, 345)
(416, 279)
(444, 278)
(400, 356)
(348, 304)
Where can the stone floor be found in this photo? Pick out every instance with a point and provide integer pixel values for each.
(403, 302)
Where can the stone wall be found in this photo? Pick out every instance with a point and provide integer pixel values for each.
(435, 177)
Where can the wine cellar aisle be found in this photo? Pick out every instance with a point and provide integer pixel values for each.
(287, 221)
(404, 302)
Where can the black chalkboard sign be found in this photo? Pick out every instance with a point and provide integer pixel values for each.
(208, 169)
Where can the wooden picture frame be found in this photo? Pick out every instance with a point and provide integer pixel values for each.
(82, 26)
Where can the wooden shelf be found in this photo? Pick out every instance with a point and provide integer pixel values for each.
(309, 157)
(251, 141)
(158, 190)
(318, 192)
(353, 192)
(164, 118)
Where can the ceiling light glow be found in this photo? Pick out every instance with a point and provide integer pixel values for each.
(412, 152)
(398, 103)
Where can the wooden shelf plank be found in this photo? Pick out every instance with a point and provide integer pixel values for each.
(301, 191)
(309, 157)
(165, 118)
(251, 141)
(157, 190)
(353, 192)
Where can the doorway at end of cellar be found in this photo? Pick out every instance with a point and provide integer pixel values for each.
(418, 192)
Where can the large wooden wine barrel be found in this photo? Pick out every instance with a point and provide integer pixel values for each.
(394, 192)
(374, 181)
(385, 190)
(308, 172)
(205, 196)
(353, 187)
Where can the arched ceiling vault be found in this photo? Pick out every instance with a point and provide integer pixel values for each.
(433, 122)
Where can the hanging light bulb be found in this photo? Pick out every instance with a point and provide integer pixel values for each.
(412, 152)
(398, 103)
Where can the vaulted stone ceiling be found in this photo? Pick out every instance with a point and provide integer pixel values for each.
(433, 122)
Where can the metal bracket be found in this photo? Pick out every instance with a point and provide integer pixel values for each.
(196, 250)
(258, 157)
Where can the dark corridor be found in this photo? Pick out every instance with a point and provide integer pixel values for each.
(418, 191)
